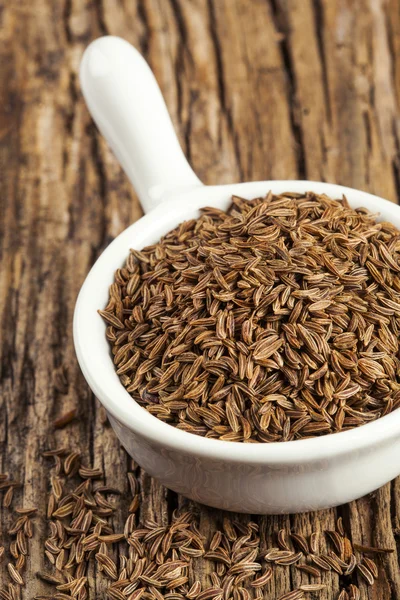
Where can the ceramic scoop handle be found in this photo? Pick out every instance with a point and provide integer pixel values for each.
(125, 102)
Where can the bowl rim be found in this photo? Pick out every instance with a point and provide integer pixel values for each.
(120, 404)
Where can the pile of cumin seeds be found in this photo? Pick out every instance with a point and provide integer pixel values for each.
(156, 561)
(16, 539)
(276, 320)
(146, 559)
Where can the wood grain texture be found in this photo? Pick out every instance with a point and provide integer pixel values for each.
(257, 89)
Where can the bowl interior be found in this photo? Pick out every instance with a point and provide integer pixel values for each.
(94, 354)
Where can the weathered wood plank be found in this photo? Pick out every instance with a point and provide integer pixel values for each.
(256, 90)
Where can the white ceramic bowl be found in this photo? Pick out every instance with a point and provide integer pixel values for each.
(285, 477)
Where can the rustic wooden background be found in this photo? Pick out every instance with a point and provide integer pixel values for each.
(257, 89)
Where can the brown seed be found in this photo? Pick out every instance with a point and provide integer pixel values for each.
(14, 574)
(371, 566)
(310, 570)
(79, 584)
(61, 560)
(116, 594)
(322, 563)
(366, 573)
(216, 540)
(314, 538)
(57, 488)
(87, 473)
(7, 500)
(64, 511)
(114, 321)
(343, 595)
(229, 530)
(133, 483)
(354, 592)
(312, 587)
(262, 579)
(194, 591)
(294, 595)
(65, 419)
(71, 463)
(26, 511)
(58, 465)
(21, 542)
(337, 540)
(209, 593)
(108, 565)
(276, 554)
(134, 505)
(17, 525)
(241, 567)
(332, 562)
(137, 594)
(14, 549)
(301, 542)
(282, 540)
(289, 560)
(347, 549)
(337, 559)
(351, 565)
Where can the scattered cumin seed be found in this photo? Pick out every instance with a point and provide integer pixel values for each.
(354, 592)
(65, 419)
(339, 526)
(351, 565)
(366, 573)
(313, 543)
(294, 595)
(14, 574)
(301, 542)
(337, 540)
(371, 566)
(347, 549)
(87, 473)
(282, 539)
(312, 587)
(320, 562)
(134, 505)
(262, 579)
(332, 562)
(7, 500)
(310, 570)
(26, 511)
(289, 560)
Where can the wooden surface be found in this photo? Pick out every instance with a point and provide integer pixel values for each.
(257, 89)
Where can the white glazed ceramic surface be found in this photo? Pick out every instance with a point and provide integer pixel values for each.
(126, 104)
